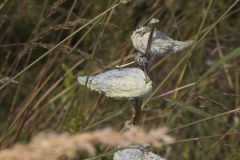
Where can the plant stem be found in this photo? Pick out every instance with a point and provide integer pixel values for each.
(138, 102)
(137, 106)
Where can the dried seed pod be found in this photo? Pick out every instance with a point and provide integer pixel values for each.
(125, 83)
(161, 44)
(136, 152)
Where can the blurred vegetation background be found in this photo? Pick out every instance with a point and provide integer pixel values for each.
(45, 45)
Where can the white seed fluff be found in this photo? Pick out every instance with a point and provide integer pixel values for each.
(125, 83)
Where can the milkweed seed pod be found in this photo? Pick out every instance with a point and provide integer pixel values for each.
(136, 153)
(125, 83)
(161, 44)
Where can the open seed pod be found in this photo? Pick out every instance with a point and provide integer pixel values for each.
(125, 83)
(161, 44)
(136, 152)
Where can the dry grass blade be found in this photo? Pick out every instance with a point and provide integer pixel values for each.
(60, 43)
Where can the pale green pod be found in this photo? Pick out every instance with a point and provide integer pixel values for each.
(125, 83)
(161, 44)
(135, 153)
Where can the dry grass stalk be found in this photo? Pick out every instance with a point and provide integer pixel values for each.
(54, 146)
(54, 7)
(67, 25)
